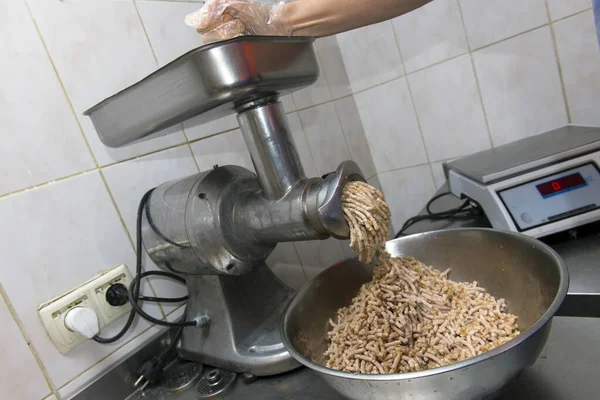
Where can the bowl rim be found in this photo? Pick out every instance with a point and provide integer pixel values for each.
(537, 325)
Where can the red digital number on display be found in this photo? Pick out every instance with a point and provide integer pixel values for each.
(562, 184)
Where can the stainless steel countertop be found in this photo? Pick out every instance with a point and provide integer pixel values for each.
(566, 369)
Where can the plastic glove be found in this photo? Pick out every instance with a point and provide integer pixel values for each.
(226, 19)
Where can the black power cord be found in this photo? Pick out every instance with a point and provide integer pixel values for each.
(134, 287)
(468, 208)
(151, 371)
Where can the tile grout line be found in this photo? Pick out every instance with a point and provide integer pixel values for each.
(137, 11)
(307, 141)
(140, 156)
(95, 161)
(17, 320)
(558, 64)
(44, 184)
(98, 168)
(324, 74)
(471, 50)
(412, 101)
(212, 135)
(509, 37)
(150, 153)
(322, 103)
(363, 132)
(472, 59)
(571, 15)
(433, 176)
(131, 241)
(403, 168)
(187, 139)
(300, 261)
(61, 83)
(339, 120)
(63, 178)
(143, 155)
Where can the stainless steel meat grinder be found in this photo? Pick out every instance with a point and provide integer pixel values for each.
(218, 227)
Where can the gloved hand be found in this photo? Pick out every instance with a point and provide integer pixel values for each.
(225, 19)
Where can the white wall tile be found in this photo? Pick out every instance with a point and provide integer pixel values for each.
(314, 94)
(72, 232)
(288, 103)
(21, 376)
(564, 8)
(50, 398)
(333, 67)
(355, 135)
(579, 56)
(370, 55)
(302, 146)
(317, 255)
(391, 127)
(41, 139)
(100, 49)
(406, 191)
(284, 262)
(169, 36)
(488, 21)
(520, 86)
(325, 137)
(430, 34)
(226, 148)
(129, 181)
(449, 109)
(374, 181)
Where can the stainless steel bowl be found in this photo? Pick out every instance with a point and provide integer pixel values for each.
(527, 273)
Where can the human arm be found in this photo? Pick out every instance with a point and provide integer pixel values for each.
(328, 17)
(225, 19)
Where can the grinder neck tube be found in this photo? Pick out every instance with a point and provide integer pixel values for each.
(271, 147)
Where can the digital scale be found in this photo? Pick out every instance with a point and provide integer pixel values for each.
(540, 185)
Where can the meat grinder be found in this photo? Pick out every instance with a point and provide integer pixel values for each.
(218, 227)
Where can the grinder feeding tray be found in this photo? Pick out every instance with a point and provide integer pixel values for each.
(218, 227)
(211, 80)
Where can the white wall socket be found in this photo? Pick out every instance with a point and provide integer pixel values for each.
(91, 294)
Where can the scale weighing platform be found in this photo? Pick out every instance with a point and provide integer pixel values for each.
(538, 186)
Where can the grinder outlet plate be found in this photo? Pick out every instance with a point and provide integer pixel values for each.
(214, 382)
(181, 376)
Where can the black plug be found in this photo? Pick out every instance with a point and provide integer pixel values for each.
(149, 372)
(117, 295)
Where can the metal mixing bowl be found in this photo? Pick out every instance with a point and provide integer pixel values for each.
(527, 273)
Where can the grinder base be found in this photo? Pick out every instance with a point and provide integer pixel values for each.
(244, 330)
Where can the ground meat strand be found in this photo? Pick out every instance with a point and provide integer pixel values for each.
(393, 328)
(410, 317)
(368, 216)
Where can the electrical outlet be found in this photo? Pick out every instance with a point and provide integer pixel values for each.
(91, 295)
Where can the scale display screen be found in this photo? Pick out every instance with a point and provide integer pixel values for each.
(561, 185)
(553, 197)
